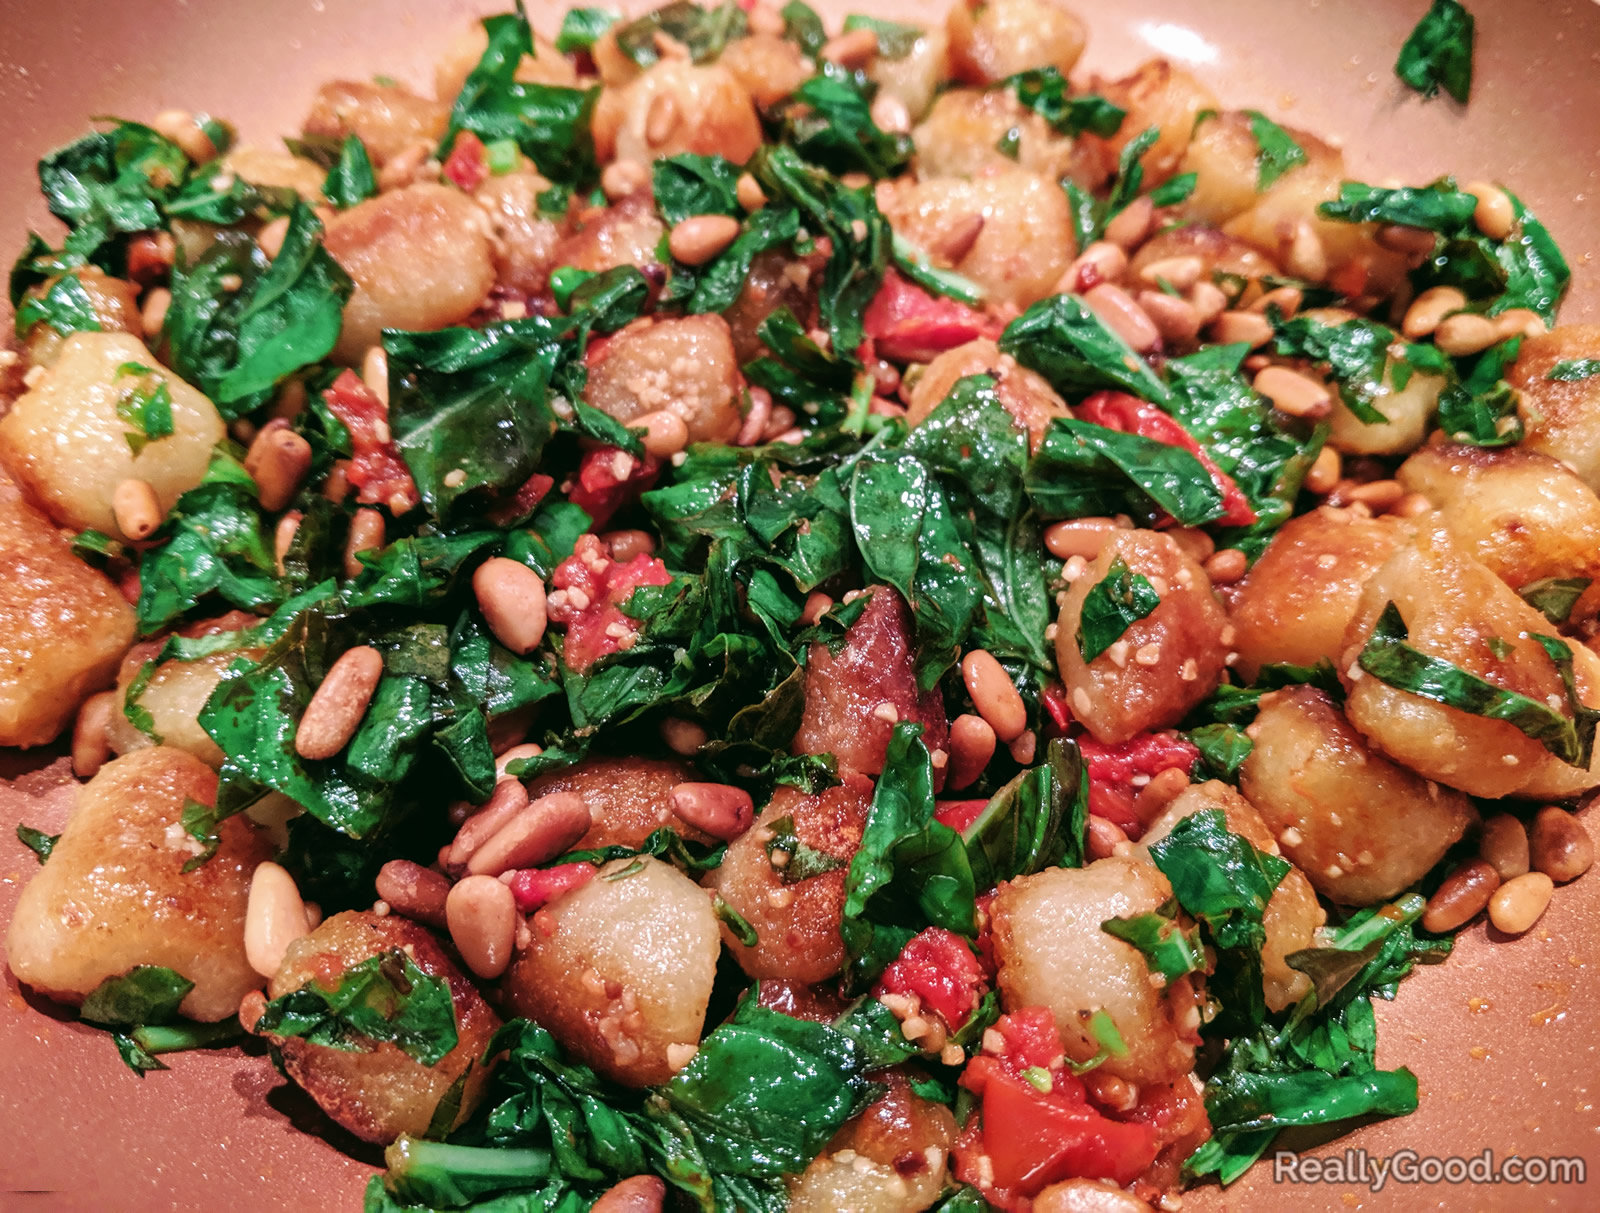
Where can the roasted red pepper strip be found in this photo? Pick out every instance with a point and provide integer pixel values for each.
(592, 588)
(907, 324)
(1112, 768)
(468, 163)
(939, 968)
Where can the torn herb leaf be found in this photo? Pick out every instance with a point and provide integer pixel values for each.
(37, 841)
(1438, 53)
(703, 32)
(1083, 470)
(1035, 821)
(1276, 150)
(1062, 339)
(1554, 597)
(581, 28)
(1046, 92)
(351, 179)
(793, 859)
(828, 121)
(1169, 948)
(1223, 749)
(1114, 604)
(1574, 370)
(145, 994)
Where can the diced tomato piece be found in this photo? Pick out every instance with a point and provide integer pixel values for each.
(610, 478)
(593, 588)
(985, 940)
(468, 163)
(1112, 768)
(149, 257)
(1130, 415)
(939, 968)
(1054, 698)
(523, 502)
(376, 468)
(958, 814)
(535, 887)
(907, 324)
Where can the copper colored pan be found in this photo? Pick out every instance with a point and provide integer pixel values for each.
(1505, 1038)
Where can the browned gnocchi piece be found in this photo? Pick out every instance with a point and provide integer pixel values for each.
(1361, 827)
(767, 66)
(673, 107)
(1053, 953)
(684, 366)
(796, 924)
(915, 78)
(1164, 97)
(174, 695)
(382, 1093)
(1024, 393)
(1296, 601)
(1407, 412)
(1163, 664)
(114, 302)
(1561, 416)
(628, 233)
(114, 894)
(63, 625)
(964, 131)
(524, 239)
(387, 118)
(420, 259)
(629, 798)
(620, 970)
(993, 39)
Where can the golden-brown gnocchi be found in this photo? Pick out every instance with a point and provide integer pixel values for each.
(1561, 416)
(386, 118)
(673, 107)
(993, 39)
(684, 366)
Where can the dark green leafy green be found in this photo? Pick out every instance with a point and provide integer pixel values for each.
(702, 31)
(1046, 92)
(351, 179)
(687, 185)
(1355, 351)
(65, 306)
(582, 27)
(828, 122)
(798, 861)
(802, 26)
(1114, 604)
(1574, 370)
(144, 995)
(199, 821)
(1438, 52)
(37, 841)
(1276, 150)
(1035, 821)
(1062, 339)
(1168, 947)
(1083, 470)
(1174, 190)
(1223, 748)
(895, 41)
(915, 265)
(144, 406)
(1554, 597)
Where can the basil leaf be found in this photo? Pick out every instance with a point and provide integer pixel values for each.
(581, 28)
(802, 26)
(1219, 878)
(915, 265)
(687, 185)
(144, 994)
(1062, 339)
(1126, 184)
(1276, 150)
(1083, 470)
(1114, 604)
(1554, 597)
(1572, 371)
(1435, 208)
(704, 32)
(1035, 821)
(895, 41)
(1168, 948)
(1355, 351)
(1174, 190)
(799, 862)
(1046, 92)
(145, 407)
(1223, 748)
(65, 306)
(828, 121)
(37, 841)
(351, 179)
(1438, 53)
(200, 823)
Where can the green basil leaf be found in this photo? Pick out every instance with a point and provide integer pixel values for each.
(144, 994)
(1083, 470)
(37, 841)
(1168, 948)
(351, 179)
(1046, 92)
(1276, 150)
(1554, 597)
(1062, 339)
(581, 28)
(1114, 604)
(1574, 370)
(1035, 821)
(1438, 53)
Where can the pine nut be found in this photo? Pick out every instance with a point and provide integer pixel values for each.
(1287, 299)
(1247, 327)
(956, 242)
(508, 799)
(1519, 903)
(758, 420)
(718, 809)
(1085, 537)
(1324, 473)
(1293, 393)
(1377, 495)
(1227, 566)
(665, 433)
(511, 597)
(136, 509)
(1101, 262)
(1428, 310)
(1306, 258)
(1519, 322)
(1103, 837)
(274, 917)
(640, 1194)
(1196, 544)
(1458, 900)
(366, 535)
(482, 916)
(890, 114)
(972, 745)
(1503, 844)
(683, 737)
(1180, 273)
(283, 538)
(1023, 748)
(1123, 316)
(1465, 333)
(91, 734)
(336, 709)
(413, 890)
(546, 828)
(1164, 787)
(699, 238)
(853, 48)
(1558, 844)
(277, 461)
(749, 192)
(623, 178)
(336, 487)
(1175, 319)
(1208, 301)
(375, 373)
(516, 753)
(183, 129)
(1412, 505)
(993, 694)
(625, 545)
(1494, 213)
(153, 315)
(1401, 238)
(661, 119)
(816, 606)
(1129, 226)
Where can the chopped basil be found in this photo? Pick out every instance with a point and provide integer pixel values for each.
(702, 31)
(828, 121)
(1223, 748)
(1574, 370)
(351, 179)
(1438, 54)
(800, 862)
(895, 41)
(1035, 821)
(144, 994)
(914, 264)
(802, 26)
(1554, 597)
(581, 28)
(727, 915)
(1174, 190)
(1083, 470)
(1114, 604)
(1067, 343)
(1046, 92)
(200, 823)
(37, 841)
(145, 407)
(687, 185)
(1169, 948)
(1355, 351)
(1276, 150)
(65, 306)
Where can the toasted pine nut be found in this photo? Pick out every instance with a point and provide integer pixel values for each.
(1123, 316)
(1412, 505)
(956, 242)
(508, 799)
(1558, 844)
(366, 535)
(661, 120)
(183, 129)
(699, 238)
(1196, 544)
(413, 890)
(622, 178)
(1085, 537)
(1101, 262)
(1129, 226)
(91, 739)
(1208, 301)
(1286, 299)
(749, 192)
(972, 745)
(136, 508)
(1465, 333)
(336, 709)
(1180, 273)
(1324, 473)
(853, 48)
(1400, 238)
(718, 809)
(545, 828)
(336, 487)
(641, 1193)
(1163, 788)
(1429, 309)
(994, 695)
(1377, 495)
(274, 917)
(1457, 901)
(153, 315)
(816, 606)
(375, 373)
(1519, 903)
(1306, 258)
(1494, 213)
(1103, 837)
(665, 433)
(482, 916)
(1226, 566)
(890, 114)
(1175, 319)
(516, 753)
(1023, 747)
(683, 736)
(511, 597)
(1519, 322)
(1248, 327)
(1293, 393)
(1503, 844)
(277, 461)
(625, 545)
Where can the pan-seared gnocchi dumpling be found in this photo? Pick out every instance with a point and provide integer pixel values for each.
(1292, 915)
(114, 893)
(1165, 97)
(963, 134)
(1053, 953)
(684, 366)
(1454, 607)
(277, 169)
(67, 445)
(382, 1092)
(1163, 664)
(628, 798)
(63, 624)
(993, 39)
(386, 118)
(1297, 600)
(1361, 827)
(1407, 412)
(524, 238)
(174, 695)
(1521, 513)
(1025, 394)
(769, 67)
(114, 302)
(628, 233)
(916, 77)
(673, 107)
(1561, 416)
(620, 970)
(419, 257)
(796, 922)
